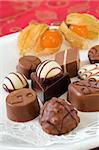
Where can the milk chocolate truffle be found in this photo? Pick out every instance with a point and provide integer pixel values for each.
(49, 80)
(22, 105)
(14, 81)
(69, 60)
(93, 54)
(84, 95)
(27, 65)
(58, 117)
(89, 72)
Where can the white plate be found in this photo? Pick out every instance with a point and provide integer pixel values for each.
(85, 136)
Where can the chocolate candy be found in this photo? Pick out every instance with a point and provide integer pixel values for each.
(14, 81)
(84, 95)
(48, 70)
(93, 54)
(27, 65)
(56, 88)
(22, 105)
(69, 61)
(90, 72)
(49, 80)
(58, 117)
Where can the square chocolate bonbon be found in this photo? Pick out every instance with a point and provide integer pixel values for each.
(84, 95)
(47, 91)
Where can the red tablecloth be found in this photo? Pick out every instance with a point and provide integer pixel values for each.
(16, 14)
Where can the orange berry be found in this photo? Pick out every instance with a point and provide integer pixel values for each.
(51, 38)
(80, 30)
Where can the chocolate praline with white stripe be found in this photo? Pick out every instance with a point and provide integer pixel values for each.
(48, 71)
(14, 81)
(69, 61)
(89, 72)
(49, 80)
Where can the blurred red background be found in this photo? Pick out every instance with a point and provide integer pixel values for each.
(16, 14)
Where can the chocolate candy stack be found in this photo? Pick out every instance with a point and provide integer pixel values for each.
(49, 80)
(22, 103)
(84, 95)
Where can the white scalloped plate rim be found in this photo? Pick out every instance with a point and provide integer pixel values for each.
(93, 127)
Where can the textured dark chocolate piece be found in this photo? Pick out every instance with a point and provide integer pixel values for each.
(84, 95)
(58, 117)
(47, 91)
(93, 54)
(27, 65)
(22, 105)
(69, 61)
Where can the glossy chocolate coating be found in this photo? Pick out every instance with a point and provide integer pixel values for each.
(84, 95)
(56, 88)
(22, 105)
(58, 117)
(93, 54)
(69, 61)
(27, 65)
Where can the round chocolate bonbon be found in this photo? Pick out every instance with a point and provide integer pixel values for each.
(93, 54)
(22, 105)
(27, 65)
(58, 117)
(48, 69)
(14, 81)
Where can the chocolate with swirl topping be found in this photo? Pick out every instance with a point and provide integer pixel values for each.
(84, 95)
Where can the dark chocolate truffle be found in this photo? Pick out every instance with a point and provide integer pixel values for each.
(58, 117)
(84, 95)
(93, 54)
(27, 65)
(22, 105)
